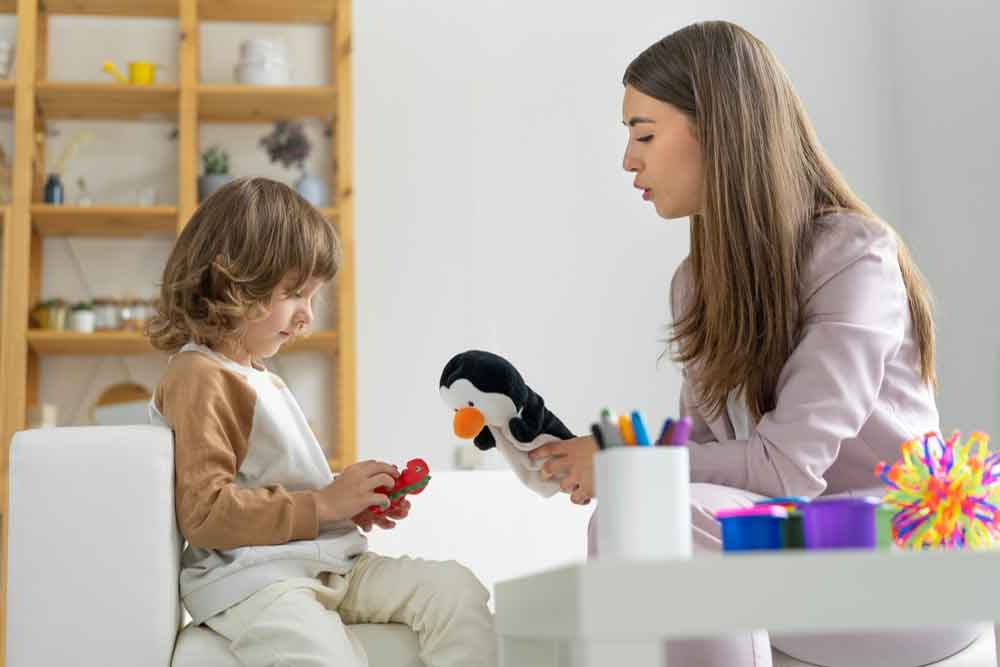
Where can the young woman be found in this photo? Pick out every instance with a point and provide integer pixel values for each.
(802, 324)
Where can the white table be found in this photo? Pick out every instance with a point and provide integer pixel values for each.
(602, 614)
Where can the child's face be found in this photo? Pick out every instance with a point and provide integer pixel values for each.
(290, 315)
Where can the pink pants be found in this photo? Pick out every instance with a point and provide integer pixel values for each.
(883, 648)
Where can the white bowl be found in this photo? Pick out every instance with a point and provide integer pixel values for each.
(262, 74)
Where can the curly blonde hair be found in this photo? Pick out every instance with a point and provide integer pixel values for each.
(238, 246)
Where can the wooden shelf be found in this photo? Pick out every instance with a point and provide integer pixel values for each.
(6, 93)
(141, 8)
(277, 11)
(110, 101)
(104, 221)
(8, 6)
(258, 104)
(43, 341)
(318, 341)
(283, 11)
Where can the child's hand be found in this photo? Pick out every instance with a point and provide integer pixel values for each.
(353, 490)
(366, 519)
(572, 463)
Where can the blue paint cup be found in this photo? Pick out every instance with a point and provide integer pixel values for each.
(794, 532)
(753, 528)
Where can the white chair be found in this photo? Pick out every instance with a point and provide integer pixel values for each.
(94, 551)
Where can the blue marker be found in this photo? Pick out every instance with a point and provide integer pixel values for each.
(641, 436)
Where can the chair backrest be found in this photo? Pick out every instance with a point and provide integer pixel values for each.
(94, 552)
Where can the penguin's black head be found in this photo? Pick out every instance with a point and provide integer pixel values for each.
(490, 373)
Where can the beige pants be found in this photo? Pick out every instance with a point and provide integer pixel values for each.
(305, 622)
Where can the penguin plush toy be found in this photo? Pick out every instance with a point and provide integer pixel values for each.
(495, 408)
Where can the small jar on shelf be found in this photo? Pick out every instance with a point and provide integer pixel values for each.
(129, 314)
(81, 317)
(107, 316)
(55, 314)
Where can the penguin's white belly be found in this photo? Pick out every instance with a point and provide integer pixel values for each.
(516, 454)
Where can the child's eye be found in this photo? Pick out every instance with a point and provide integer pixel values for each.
(645, 139)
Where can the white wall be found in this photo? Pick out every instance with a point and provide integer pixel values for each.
(947, 72)
(492, 210)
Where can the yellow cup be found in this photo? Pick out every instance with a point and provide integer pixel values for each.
(141, 73)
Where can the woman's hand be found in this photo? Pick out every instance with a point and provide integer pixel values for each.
(572, 463)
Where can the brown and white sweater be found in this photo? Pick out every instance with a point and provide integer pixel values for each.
(247, 467)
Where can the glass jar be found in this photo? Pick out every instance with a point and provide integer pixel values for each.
(128, 313)
(107, 316)
(57, 315)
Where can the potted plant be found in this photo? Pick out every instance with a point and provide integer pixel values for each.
(288, 144)
(215, 161)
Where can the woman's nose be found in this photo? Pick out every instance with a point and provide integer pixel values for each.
(629, 163)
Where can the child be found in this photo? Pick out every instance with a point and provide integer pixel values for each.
(275, 561)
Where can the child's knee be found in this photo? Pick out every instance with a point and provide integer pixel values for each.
(458, 584)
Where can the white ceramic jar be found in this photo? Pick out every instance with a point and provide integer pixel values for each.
(263, 62)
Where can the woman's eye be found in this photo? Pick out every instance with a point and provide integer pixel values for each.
(645, 139)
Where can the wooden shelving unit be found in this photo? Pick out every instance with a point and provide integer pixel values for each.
(71, 100)
(253, 104)
(35, 100)
(103, 221)
(46, 342)
(6, 94)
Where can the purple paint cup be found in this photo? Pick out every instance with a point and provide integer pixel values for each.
(752, 528)
(840, 523)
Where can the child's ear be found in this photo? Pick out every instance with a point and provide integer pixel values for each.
(484, 439)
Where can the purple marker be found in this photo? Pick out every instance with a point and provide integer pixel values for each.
(682, 429)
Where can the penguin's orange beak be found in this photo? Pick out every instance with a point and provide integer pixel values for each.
(468, 423)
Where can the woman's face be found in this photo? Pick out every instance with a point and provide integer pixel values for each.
(664, 155)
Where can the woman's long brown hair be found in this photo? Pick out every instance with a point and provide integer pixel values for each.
(766, 181)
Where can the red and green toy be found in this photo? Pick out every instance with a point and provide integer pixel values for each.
(412, 480)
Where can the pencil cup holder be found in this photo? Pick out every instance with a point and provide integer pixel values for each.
(644, 499)
(840, 523)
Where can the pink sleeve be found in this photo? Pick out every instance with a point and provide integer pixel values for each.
(826, 391)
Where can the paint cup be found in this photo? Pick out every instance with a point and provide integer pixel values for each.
(794, 534)
(644, 501)
(840, 523)
(761, 527)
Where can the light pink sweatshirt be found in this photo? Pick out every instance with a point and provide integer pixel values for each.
(850, 393)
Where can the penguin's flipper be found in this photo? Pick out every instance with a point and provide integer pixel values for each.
(527, 426)
(484, 439)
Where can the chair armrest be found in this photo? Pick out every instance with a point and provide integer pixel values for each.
(94, 552)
